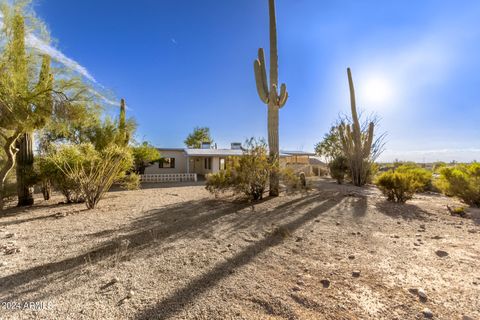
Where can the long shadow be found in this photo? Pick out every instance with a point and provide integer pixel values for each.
(275, 216)
(180, 298)
(359, 205)
(184, 220)
(19, 221)
(404, 211)
(192, 215)
(187, 220)
(15, 211)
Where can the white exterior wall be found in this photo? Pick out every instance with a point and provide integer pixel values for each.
(197, 165)
(215, 164)
(180, 163)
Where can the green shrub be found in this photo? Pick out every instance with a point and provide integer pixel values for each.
(338, 168)
(462, 181)
(247, 175)
(131, 181)
(49, 171)
(290, 178)
(219, 182)
(92, 172)
(144, 154)
(437, 166)
(398, 186)
(423, 176)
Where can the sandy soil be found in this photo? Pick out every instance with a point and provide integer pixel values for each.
(177, 252)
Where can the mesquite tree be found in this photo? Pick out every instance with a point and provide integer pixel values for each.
(356, 143)
(269, 94)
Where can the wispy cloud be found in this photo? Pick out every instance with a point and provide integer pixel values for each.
(174, 41)
(34, 42)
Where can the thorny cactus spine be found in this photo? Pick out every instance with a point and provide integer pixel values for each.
(269, 95)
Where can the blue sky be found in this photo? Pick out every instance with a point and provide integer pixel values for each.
(187, 63)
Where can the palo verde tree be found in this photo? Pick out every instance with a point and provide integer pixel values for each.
(112, 132)
(29, 94)
(330, 147)
(22, 102)
(197, 137)
(269, 94)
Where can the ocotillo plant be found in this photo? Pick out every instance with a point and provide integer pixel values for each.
(357, 145)
(269, 95)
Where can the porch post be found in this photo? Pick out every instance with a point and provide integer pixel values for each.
(188, 164)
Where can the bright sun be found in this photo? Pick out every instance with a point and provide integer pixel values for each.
(376, 92)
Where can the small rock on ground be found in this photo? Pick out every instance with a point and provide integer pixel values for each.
(421, 293)
(325, 283)
(441, 253)
(427, 313)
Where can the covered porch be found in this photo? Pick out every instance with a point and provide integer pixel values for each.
(205, 161)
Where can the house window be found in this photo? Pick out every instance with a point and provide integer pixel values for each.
(167, 163)
(208, 163)
(222, 164)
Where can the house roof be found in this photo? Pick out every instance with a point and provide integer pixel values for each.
(317, 161)
(228, 152)
(296, 153)
(213, 152)
(170, 149)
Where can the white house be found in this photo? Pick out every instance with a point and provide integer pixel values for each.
(186, 164)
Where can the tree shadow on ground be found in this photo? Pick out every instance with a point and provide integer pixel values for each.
(358, 205)
(16, 211)
(19, 221)
(185, 217)
(185, 220)
(174, 303)
(405, 211)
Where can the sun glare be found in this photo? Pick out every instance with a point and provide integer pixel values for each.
(376, 92)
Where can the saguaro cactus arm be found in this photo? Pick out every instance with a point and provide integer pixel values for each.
(282, 99)
(261, 76)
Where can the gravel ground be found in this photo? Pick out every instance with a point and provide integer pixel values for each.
(177, 252)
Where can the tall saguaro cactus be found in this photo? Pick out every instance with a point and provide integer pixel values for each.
(269, 94)
(122, 124)
(357, 145)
